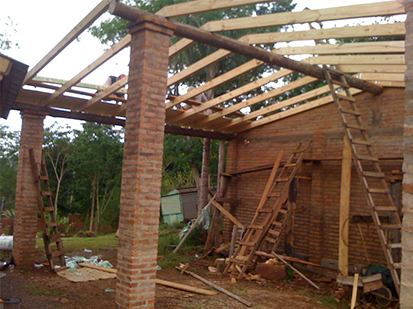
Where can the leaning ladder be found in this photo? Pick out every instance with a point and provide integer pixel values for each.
(271, 213)
(52, 240)
(371, 176)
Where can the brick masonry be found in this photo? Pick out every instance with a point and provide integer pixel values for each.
(25, 222)
(317, 220)
(142, 165)
(406, 297)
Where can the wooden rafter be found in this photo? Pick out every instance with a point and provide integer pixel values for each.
(397, 29)
(288, 18)
(202, 6)
(72, 35)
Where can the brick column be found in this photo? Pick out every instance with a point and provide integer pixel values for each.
(25, 222)
(142, 165)
(406, 296)
(317, 200)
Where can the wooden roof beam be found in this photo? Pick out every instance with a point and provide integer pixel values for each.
(397, 29)
(72, 35)
(202, 6)
(307, 16)
(223, 42)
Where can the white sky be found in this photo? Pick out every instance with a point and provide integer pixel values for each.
(42, 24)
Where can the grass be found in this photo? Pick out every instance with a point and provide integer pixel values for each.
(168, 238)
(325, 300)
(239, 291)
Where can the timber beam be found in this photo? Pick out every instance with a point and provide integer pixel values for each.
(119, 122)
(219, 41)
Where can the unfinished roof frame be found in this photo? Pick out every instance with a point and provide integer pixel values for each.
(379, 62)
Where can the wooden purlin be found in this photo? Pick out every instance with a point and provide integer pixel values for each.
(268, 211)
(282, 19)
(373, 180)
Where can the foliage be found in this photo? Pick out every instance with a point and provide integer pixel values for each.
(8, 28)
(9, 143)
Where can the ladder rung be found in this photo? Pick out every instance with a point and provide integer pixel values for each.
(247, 243)
(57, 254)
(343, 97)
(356, 127)
(340, 83)
(273, 232)
(379, 190)
(367, 158)
(42, 177)
(271, 240)
(386, 226)
(274, 195)
(256, 226)
(276, 223)
(51, 224)
(54, 237)
(334, 71)
(46, 193)
(281, 179)
(347, 111)
(283, 211)
(373, 174)
(397, 265)
(290, 164)
(360, 142)
(265, 210)
(49, 208)
(394, 246)
(237, 261)
(299, 151)
(385, 208)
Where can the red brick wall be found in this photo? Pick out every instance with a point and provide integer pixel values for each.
(25, 222)
(316, 225)
(142, 165)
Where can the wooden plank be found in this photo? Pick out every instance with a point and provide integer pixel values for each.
(281, 19)
(337, 13)
(227, 214)
(72, 35)
(344, 208)
(90, 68)
(295, 270)
(346, 32)
(101, 95)
(354, 292)
(363, 68)
(346, 48)
(359, 59)
(158, 281)
(201, 6)
(250, 65)
(217, 287)
(290, 112)
(233, 94)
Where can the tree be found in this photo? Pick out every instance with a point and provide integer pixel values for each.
(57, 147)
(96, 163)
(9, 153)
(5, 36)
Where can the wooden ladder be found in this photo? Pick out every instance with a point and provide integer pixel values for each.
(371, 176)
(53, 244)
(268, 221)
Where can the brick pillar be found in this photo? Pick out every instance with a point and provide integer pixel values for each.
(25, 222)
(142, 166)
(317, 200)
(406, 296)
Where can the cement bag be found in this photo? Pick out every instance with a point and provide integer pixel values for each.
(6, 243)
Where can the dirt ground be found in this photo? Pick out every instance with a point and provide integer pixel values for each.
(41, 288)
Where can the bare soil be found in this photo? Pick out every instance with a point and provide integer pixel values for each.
(42, 288)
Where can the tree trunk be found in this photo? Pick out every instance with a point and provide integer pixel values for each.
(206, 153)
(92, 211)
(97, 209)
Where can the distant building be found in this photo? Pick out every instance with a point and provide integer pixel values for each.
(179, 205)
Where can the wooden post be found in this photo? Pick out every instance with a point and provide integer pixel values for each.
(344, 208)
(289, 228)
(219, 217)
(206, 153)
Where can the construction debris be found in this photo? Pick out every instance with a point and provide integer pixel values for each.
(222, 290)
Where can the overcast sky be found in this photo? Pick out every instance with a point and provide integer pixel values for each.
(41, 24)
